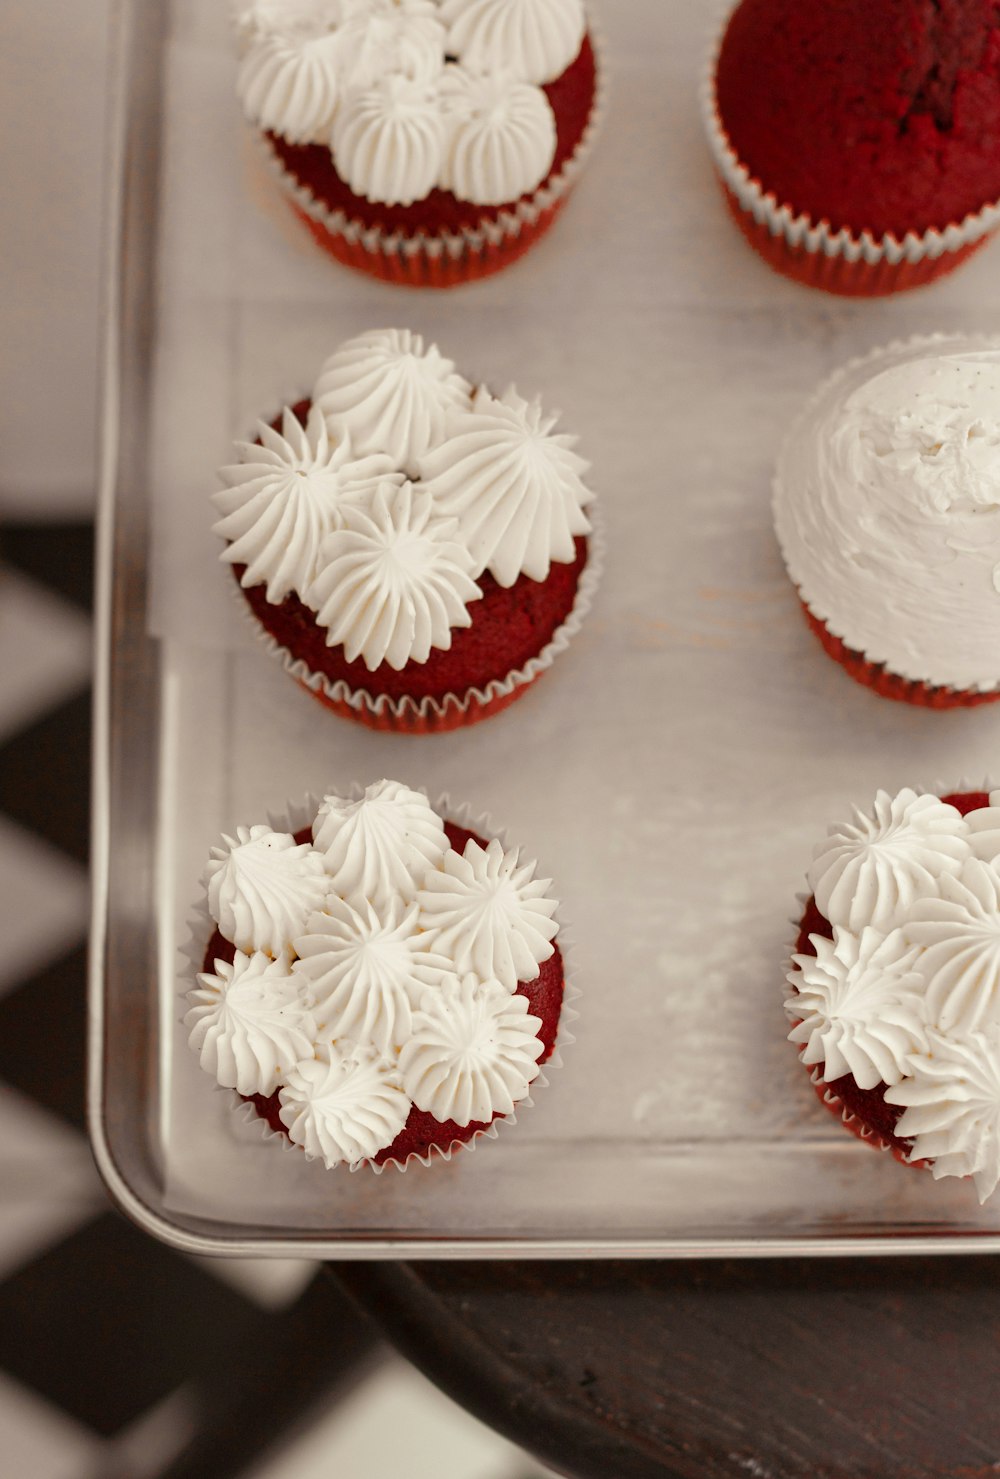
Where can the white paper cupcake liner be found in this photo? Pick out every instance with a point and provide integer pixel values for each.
(471, 244)
(880, 675)
(428, 714)
(802, 234)
(293, 818)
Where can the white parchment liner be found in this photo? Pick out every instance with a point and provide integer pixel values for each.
(294, 817)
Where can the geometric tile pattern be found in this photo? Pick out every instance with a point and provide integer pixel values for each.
(119, 1356)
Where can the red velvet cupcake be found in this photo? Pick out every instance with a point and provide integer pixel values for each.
(380, 984)
(887, 511)
(859, 146)
(416, 552)
(427, 142)
(895, 1000)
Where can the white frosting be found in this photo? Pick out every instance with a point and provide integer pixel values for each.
(488, 914)
(344, 1106)
(514, 487)
(395, 36)
(870, 870)
(952, 1100)
(249, 1022)
(381, 847)
(887, 508)
(960, 935)
(502, 136)
(389, 140)
(289, 84)
(393, 581)
(984, 829)
(253, 19)
(262, 887)
(473, 1051)
(285, 494)
(366, 970)
(857, 1006)
(391, 393)
(536, 39)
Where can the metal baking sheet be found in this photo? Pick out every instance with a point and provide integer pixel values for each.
(673, 771)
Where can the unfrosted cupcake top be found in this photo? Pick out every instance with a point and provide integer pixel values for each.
(412, 95)
(402, 488)
(907, 991)
(887, 509)
(880, 118)
(375, 969)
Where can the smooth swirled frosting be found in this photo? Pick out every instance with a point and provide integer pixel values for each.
(515, 488)
(952, 1107)
(358, 984)
(860, 1005)
(869, 870)
(381, 846)
(502, 136)
(262, 887)
(366, 969)
(344, 1106)
(393, 580)
(249, 1022)
(392, 394)
(286, 494)
(536, 39)
(290, 85)
(488, 913)
(473, 1051)
(887, 509)
(389, 140)
(907, 994)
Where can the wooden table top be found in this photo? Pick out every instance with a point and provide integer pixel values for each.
(774, 1369)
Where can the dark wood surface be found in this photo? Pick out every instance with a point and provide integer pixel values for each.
(838, 1369)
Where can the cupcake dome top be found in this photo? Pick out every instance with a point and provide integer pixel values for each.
(880, 118)
(413, 95)
(906, 993)
(887, 509)
(375, 969)
(402, 487)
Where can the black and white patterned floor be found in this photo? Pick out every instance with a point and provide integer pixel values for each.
(119, 1358)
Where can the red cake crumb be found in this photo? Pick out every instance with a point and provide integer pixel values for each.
(869, 1104)
(883, 118)
(572, 99)
(509, 627)
(422, 1130)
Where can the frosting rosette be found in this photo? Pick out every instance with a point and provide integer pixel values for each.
(536, 39)
(286, 494)
(397, 36)
(388, 140)
(502, 135)
(392, 393)
(355, 1036)
(515, 488)
(288, 83)
(895, 1002)
(415, 552)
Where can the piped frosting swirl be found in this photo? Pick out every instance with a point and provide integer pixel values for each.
(536, 39)
(262, 887)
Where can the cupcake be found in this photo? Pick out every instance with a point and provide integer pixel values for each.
(414, 549)
(858, 146)
(379, 980)
(895, 982)
(427, 142)
(887, 511)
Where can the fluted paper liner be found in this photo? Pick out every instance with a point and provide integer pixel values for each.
(812, 252)
(293, 818)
